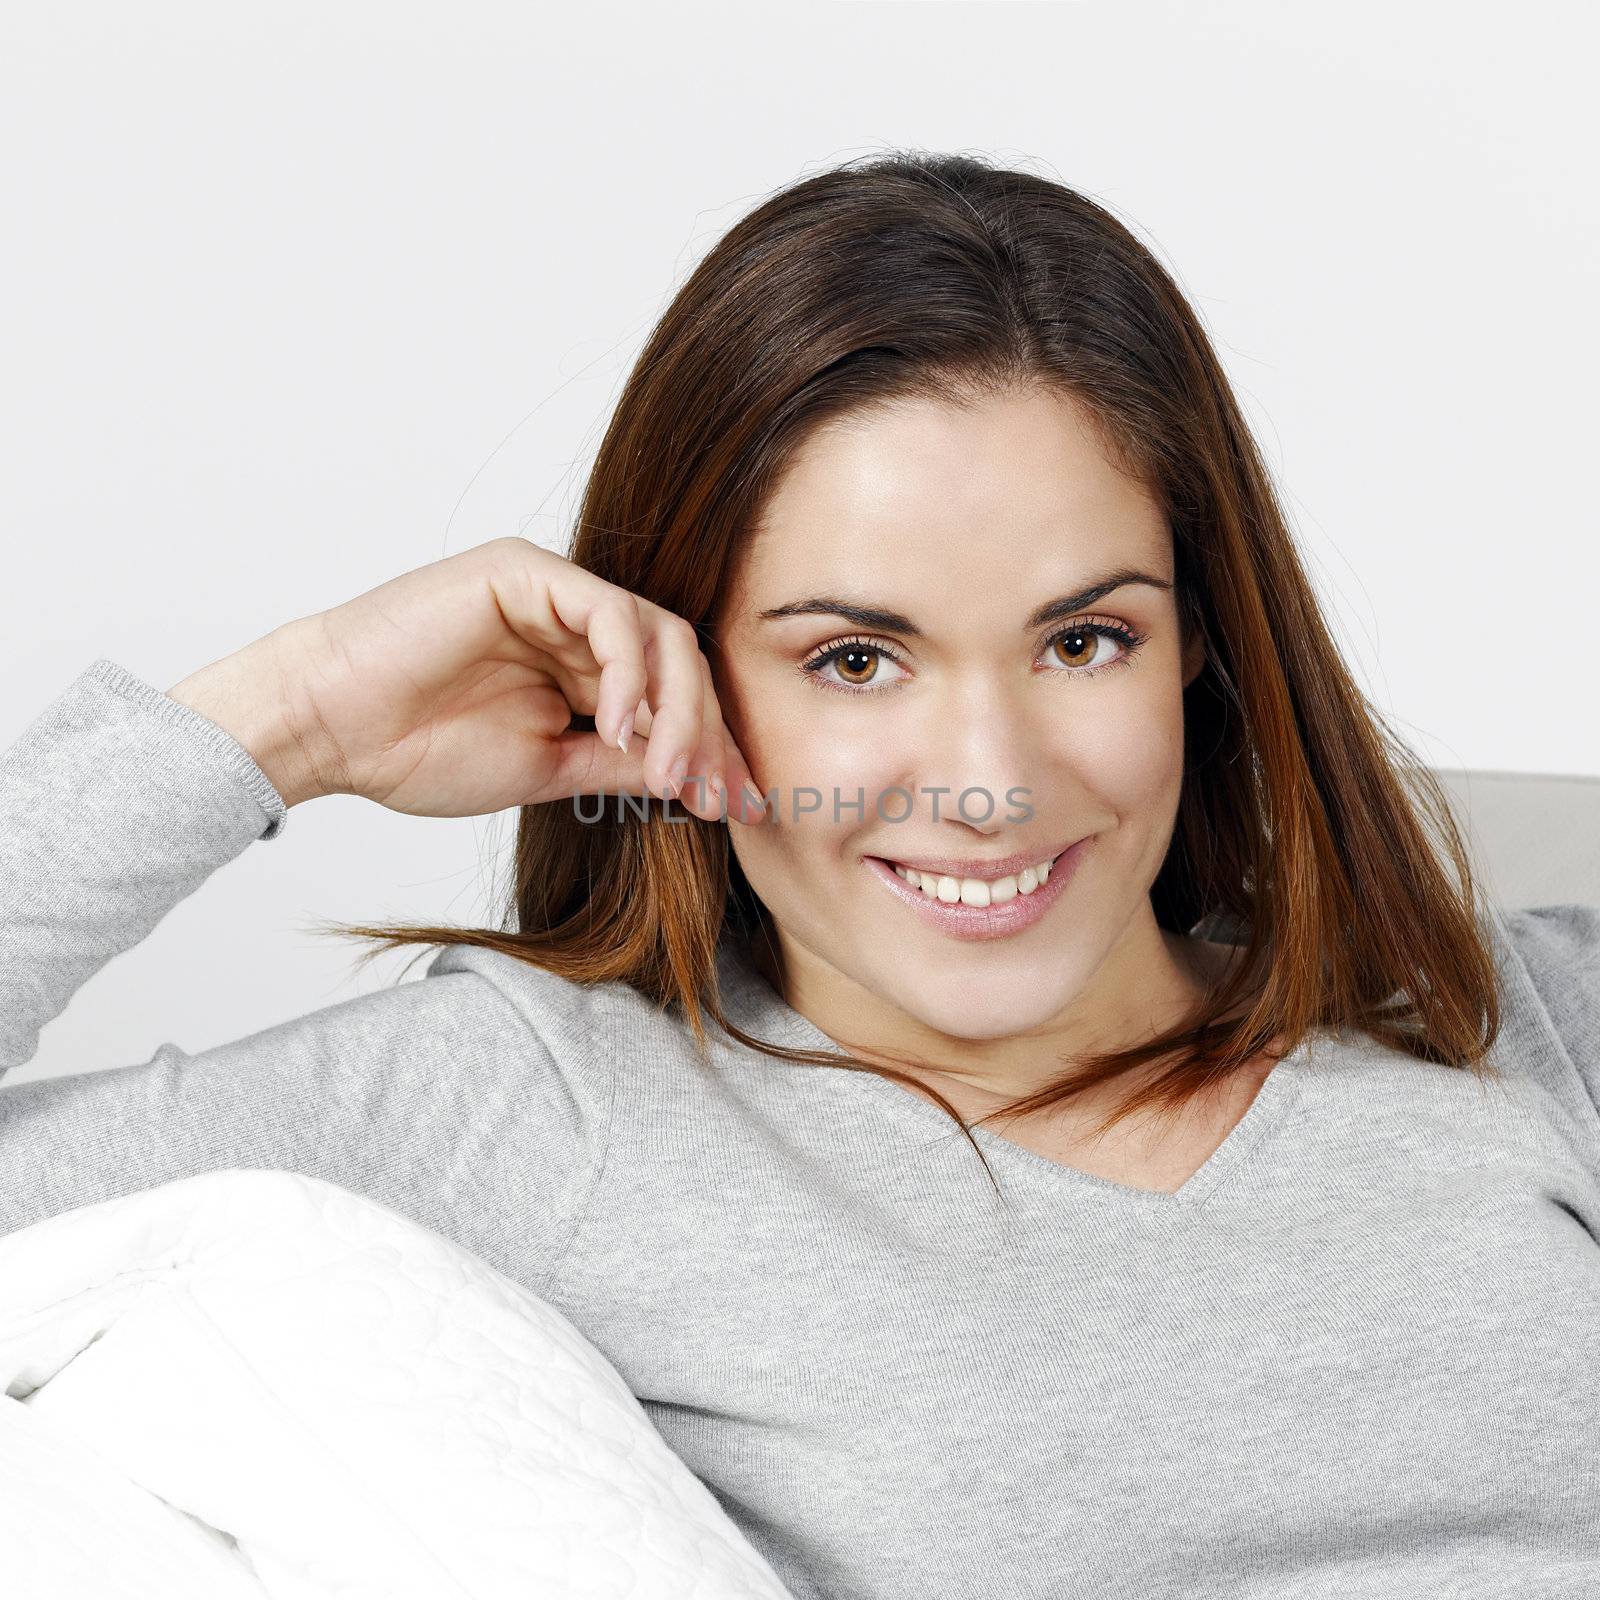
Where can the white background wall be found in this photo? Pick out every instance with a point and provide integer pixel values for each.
(299, 297)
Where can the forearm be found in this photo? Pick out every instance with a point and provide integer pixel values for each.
(115, 804)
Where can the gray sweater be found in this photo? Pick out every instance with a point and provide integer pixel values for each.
(1357, 1354)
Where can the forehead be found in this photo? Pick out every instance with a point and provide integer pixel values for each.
(926, 497)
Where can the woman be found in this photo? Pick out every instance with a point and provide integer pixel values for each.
(927, 515)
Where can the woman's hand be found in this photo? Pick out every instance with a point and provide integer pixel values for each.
(449, 692)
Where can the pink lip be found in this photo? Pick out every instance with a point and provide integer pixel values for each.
(984, 922)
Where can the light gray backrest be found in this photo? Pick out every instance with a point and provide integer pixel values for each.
(1534, 836)
(1534, 839)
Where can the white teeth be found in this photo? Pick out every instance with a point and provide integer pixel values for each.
(976, 891)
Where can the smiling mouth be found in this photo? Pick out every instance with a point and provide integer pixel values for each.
(952, 888)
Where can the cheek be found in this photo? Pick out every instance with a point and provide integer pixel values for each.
(824, 765)
(747, 705)
(1127, 749)
(803, 740)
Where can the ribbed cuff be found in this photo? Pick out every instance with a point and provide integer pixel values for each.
(233, 755)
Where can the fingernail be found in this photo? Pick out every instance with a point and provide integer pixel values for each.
(625, 732)
(675, 777)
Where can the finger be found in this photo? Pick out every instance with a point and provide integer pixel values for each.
(709, 760)
(643, 724)
(587, 764)
(745, 803)
(726, 761)
(716, 756)
(606, 617)
(674, 691)
(639, 649)
(617, 639)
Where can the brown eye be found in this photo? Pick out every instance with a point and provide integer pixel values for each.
(1077, 646)
(855, 664)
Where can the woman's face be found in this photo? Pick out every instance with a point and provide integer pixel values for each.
(970, 726)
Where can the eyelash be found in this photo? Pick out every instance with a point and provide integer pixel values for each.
(1124, 635)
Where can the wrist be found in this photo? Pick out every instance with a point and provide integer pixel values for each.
(244, 695)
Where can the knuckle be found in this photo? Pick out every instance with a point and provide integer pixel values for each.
(626, 605)
(510, 542)
(500, 558)
(514, 556)
(492, 552)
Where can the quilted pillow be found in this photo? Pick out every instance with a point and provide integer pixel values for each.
(258, 1383)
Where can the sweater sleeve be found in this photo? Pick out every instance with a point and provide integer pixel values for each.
(1559, 949)
(438, 1097)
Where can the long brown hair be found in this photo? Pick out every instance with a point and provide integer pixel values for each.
(1305, 825)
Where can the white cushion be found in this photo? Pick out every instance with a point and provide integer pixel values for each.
(258, 1383)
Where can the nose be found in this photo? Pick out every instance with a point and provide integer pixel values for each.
(980, 753)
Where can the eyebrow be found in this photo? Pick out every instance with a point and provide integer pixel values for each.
(885, 621)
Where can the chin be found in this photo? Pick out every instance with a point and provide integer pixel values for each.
(980, 1018)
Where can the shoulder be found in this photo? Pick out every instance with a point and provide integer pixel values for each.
(580, 1024)
(1558, 946)
(1550, 960)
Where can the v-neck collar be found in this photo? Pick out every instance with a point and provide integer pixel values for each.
(759, 1009)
